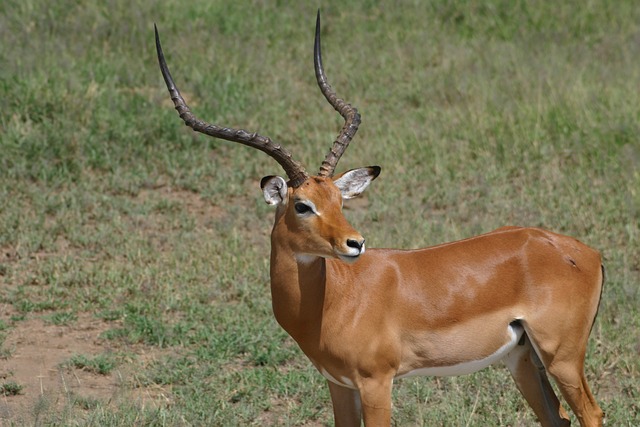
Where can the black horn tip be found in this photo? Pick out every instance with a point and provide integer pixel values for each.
(317, 56)
(163, 63)
(158, 47)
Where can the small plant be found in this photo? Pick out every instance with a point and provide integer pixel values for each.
(25, 306)
(10, 388)
(101, 364)
(18, 317)
(6, 353)
(85, 402)
(62, 318)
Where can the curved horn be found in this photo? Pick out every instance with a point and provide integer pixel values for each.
(350, 114)
(293, 169)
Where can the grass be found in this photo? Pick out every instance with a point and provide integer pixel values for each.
(481, 114)
(10, 389)
(101, 364)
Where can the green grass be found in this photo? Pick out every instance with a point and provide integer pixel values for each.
(481, 114)
(102, 364)
(10, 389)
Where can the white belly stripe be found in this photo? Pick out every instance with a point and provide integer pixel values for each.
(515, 330)
(345, 382)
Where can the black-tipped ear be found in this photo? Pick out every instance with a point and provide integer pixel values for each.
(353, 182)
(376, 171)
(264, 180)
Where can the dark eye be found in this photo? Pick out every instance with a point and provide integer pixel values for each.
(302, 208)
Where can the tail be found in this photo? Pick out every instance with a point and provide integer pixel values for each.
(599, 298)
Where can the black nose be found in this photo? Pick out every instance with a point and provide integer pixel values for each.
(355, 244)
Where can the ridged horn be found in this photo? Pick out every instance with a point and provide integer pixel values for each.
(348, 112)
(293, 169)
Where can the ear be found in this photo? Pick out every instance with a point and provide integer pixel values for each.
(274, 189)
(353, 182)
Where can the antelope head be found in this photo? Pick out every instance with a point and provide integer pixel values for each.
(309, 207)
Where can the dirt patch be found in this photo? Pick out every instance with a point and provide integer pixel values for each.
(36, 350)
(35, 354)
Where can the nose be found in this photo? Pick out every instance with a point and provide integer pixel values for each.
(356, 244)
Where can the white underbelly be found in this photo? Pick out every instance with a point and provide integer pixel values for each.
(515, 332)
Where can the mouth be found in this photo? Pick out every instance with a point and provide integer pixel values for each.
(349, 259)
(352, 256)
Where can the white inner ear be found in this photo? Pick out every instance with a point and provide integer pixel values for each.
(275, 190)
(352, 183)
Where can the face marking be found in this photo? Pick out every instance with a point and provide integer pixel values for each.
(305, 259)
(305, 203)
(515, 331)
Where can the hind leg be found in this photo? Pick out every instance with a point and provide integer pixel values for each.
(347, 408)
(572, 383)
(564, 360)
(531, 379)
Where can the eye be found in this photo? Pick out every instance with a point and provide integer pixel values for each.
(302, 208)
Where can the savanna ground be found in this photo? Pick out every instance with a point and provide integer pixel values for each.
(134, 253)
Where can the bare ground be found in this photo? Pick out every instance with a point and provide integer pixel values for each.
(37, 362)
(38, 351)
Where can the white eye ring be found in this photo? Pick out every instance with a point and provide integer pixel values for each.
(305, 207)
(302, 208)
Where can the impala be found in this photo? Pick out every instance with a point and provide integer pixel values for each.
(525, 296)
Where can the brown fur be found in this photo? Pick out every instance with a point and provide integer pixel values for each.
(394, 311)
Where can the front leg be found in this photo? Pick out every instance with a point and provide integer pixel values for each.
(375, 394)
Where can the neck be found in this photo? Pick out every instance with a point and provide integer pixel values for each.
(298, 285)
